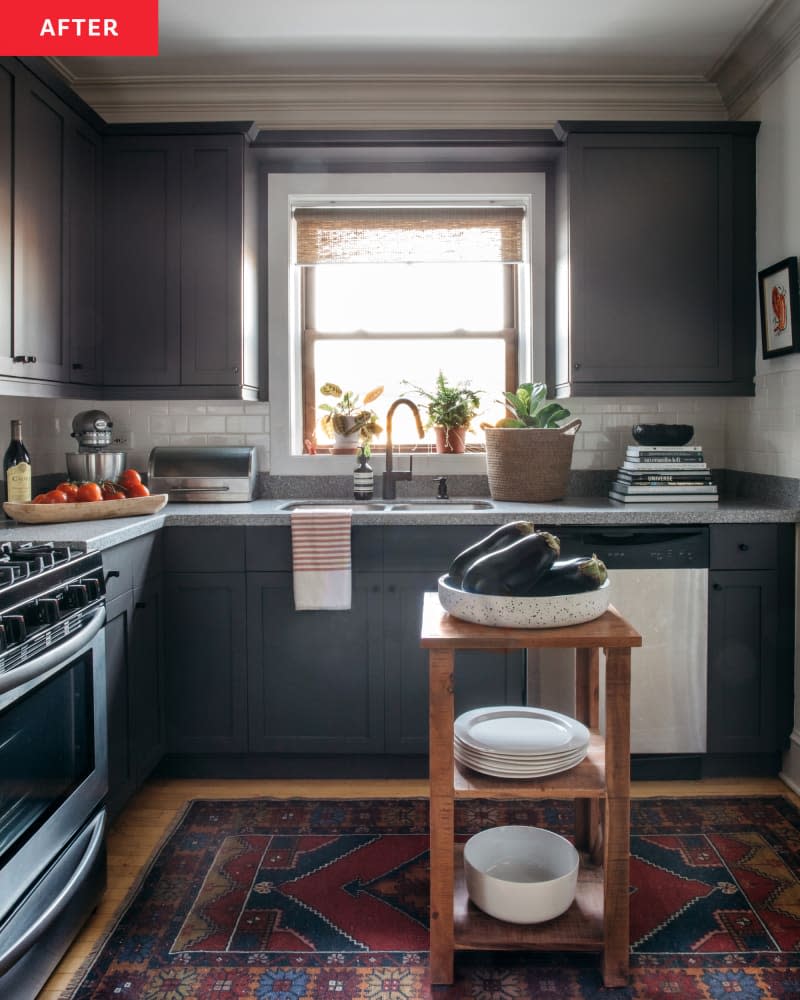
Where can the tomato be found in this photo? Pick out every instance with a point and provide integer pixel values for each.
(71, 490)
(111, 491)
(137, 490)
(89, 492)
(40, 498)
(54, 496)
(129, 477)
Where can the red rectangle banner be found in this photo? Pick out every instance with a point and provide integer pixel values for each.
(79, 28)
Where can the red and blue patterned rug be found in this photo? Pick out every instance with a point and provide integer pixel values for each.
(303, 900)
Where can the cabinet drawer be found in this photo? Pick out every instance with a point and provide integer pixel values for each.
(419, 547)
(204, 549)
(743, 546)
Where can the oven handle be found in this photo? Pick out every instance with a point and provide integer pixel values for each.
(23, 944)
(55, 655)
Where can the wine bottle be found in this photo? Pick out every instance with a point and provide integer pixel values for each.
(17, 467)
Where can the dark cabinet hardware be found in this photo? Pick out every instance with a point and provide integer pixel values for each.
(77, 366)
(111, 574)
(139, 605)
(717, 586)
(25, 359)
(743, 547)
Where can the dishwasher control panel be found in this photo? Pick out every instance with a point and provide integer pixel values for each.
(640, 548)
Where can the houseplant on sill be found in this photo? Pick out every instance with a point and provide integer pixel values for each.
(451, 409)
(528, 455)
(348, 423)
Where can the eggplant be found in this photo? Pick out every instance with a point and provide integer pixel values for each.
(513, 570)
(500, 537)
(570, 576)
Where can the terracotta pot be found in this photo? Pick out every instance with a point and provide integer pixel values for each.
(450, 440)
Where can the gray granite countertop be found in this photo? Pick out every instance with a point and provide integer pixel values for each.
(103, 534)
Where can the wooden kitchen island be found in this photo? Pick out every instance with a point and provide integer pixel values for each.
(598, 920)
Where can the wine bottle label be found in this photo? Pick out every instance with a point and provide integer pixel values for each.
(18, 483)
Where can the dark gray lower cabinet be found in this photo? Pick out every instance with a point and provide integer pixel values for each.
(751, 638)
(316, 678)
(206, 670)
(134, 676)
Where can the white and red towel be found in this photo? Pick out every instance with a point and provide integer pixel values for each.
(321, 558)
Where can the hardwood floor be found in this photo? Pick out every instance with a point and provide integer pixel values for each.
(139, 830)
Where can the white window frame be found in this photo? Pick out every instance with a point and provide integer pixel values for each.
(284, 192)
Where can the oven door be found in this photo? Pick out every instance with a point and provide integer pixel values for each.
(53, 756)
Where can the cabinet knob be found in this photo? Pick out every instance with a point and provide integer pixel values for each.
(77, 366)
(577, 365)
(717, 586)
(25, 359)
(743, 546)
(140, 604)
(111, 574)
(236, 371)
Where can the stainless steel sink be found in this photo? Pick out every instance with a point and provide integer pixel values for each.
(451, 505)
(360, 504)
(394, 505)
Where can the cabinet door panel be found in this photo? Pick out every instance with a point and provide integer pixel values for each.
(743, 662)
(141, 304)
(316, 677)
(121, 763)
(651, 222)
(205, 671)
(482, 678)
(39, 243)
(147, 694)
(211, 260)
(83, 253)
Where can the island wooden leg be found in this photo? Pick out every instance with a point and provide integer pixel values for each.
(442, 818)
(616, 945)
(587, 709)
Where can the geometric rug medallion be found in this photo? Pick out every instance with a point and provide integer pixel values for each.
(268, 899)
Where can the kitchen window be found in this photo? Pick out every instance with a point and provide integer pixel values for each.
(383, 279)
(391, 294)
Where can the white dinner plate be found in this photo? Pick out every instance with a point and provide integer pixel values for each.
(522, 760)
(519, 773)
(520, 730)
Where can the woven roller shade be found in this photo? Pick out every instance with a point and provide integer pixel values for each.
(408, 235)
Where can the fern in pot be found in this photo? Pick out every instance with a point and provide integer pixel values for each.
(451, 409)
(528, 453)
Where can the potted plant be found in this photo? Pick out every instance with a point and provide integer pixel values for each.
(528, 455)
(451, 409)
(348, 422)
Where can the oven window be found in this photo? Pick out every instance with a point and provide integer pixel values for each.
(46, 751)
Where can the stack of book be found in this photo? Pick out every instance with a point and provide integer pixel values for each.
(664, 473)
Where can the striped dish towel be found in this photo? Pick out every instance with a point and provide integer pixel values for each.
(321, 559)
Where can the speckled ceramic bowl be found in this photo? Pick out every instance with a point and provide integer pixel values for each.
(523, 612)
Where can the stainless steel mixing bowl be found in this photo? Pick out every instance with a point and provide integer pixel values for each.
(95, 465)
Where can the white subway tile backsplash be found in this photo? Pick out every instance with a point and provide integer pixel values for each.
(206, 424)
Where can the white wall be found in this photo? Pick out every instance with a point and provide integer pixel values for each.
(763, 433)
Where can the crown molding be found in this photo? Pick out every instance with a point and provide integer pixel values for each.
(398, 101)
(765, 51)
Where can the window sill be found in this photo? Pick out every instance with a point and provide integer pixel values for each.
(424, 464)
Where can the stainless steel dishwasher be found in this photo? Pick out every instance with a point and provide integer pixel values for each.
(659, 582)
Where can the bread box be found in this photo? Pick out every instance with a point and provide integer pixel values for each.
(204, 474)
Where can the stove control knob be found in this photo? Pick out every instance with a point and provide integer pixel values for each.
(15, 628)
(3, 639)
(48, 611)
(92, 585)
(77, 596)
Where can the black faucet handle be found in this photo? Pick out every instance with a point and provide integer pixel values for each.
(441, 490)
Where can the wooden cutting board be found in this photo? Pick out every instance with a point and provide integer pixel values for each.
(58, 513)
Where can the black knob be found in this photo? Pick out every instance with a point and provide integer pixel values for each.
(16, 629)
(77, 366)
(3, 640)
(717, 586)
(139, 605)
(25, 359)
(111, 573)
(92, 586)
(77, 596)
(743, 547)
(47, 610)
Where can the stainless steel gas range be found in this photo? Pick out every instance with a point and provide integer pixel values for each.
(53, 755)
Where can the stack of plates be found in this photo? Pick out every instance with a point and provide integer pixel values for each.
(519, 741)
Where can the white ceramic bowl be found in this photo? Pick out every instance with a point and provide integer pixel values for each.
(522, 874)
(523, 612)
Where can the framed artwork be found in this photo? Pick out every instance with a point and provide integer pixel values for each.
(780, 315)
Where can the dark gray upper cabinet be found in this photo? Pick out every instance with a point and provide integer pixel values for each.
(82, 186)
(39, 348)
(174, 318)
(49, 239)
(658, 225)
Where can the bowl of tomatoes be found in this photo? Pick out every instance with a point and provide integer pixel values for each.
(72, 500)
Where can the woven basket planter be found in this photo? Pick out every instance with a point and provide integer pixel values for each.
(528, 463)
